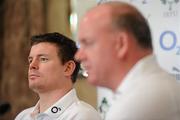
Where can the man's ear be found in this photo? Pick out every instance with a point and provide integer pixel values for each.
(69, 68)
(121, 45)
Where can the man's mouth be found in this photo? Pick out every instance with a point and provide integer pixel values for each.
(33, 76)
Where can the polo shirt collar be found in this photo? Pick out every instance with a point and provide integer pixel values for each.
(59, 107)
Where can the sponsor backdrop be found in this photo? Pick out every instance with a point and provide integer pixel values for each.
(164, 20)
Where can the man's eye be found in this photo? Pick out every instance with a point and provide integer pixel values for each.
(30, 60)
(43, 59)
(88, 43)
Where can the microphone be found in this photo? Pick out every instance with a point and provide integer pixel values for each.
(4, 107)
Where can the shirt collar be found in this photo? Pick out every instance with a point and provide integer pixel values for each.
(59, 107)
(131, 78)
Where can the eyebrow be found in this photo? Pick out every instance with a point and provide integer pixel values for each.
(39, 55)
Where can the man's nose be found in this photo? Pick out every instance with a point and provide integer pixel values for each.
(79, 56)
(34, 65)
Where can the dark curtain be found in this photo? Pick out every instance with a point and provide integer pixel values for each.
(19, 20)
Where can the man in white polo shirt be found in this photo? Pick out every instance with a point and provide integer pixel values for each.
(52, 73)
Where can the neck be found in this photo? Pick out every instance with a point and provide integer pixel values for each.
(47, 99)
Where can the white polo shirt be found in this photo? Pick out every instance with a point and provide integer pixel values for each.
(146, 93)
(68, 107)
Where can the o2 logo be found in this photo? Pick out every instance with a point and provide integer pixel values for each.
(169, 35)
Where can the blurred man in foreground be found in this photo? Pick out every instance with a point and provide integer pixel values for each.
(116, 50)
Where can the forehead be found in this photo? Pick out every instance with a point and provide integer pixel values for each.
(43, 48)
(93, 24)
(92, 29)
(96, 17)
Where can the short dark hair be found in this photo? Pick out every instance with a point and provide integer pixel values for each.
(135, 23)
(66, 48)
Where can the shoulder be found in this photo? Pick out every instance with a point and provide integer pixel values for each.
(151, 73)
(85, 111)
(81, 106)
(24, 113)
